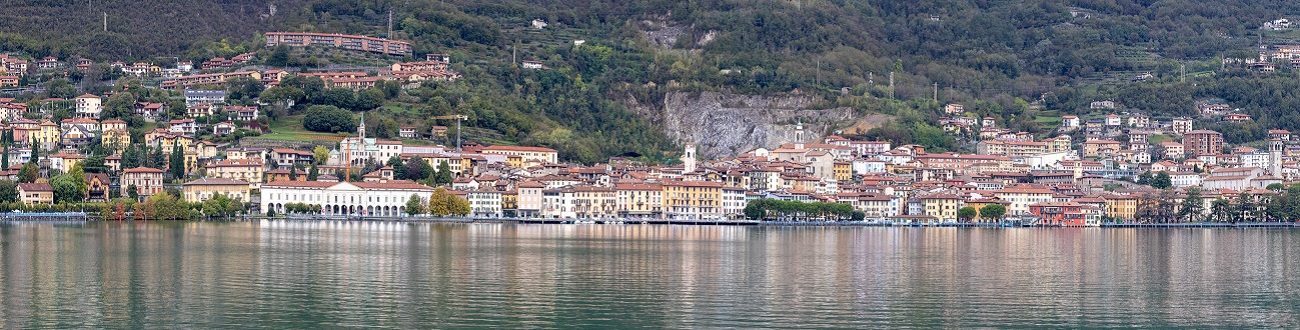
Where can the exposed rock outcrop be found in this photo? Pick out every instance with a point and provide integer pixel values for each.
(724, 125)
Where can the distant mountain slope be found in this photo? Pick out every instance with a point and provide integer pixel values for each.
(136, 29)
(994, 55)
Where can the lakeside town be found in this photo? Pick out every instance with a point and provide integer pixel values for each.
(189, 141)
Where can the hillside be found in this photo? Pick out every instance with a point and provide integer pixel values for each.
(994, 56)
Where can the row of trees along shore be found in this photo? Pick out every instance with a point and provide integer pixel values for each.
(1275, 203)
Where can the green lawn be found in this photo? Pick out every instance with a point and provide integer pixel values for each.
(290, 128)
(1048, 120)
(1157, 139)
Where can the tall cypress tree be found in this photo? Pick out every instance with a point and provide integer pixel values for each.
(176, 162)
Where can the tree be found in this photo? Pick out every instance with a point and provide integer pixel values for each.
(1276, 187)
(440, 202)
(243, 89)
(131, 158)
(321, 154)
(157, 160)
(28, 173)
(417, 169)
(166, 207)
(222, 206)
(399, 167)
(328, 118)
(967, 213)
(756, 209)
(9, 192)
(993, 211)
(369, 98)
(65, 191)
(1192, 206)
(279, 56)
(133, 192)
(313, 173)
(459, 206)
(4, 158)
(119, 106)
(176, 162)
(1145, 178)
(414, 205)
(1162, 181)
(443, 176)
(94, 164)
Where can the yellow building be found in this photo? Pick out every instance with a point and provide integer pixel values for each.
(249, 170)
(692, 199)
(47, 137)
(204, 149)
(843, 171)
(515, 161)
(1121, 207)
(595, 202)
(510, 200)
(640, 200)
(207, 188)
(531, 155)
(117, 139)
(36, 193)
(942, 206)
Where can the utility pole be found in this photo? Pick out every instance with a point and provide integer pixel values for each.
(105, 21)
(1183, 67)
(891, 85)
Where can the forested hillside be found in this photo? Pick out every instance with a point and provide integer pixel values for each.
(994, 56)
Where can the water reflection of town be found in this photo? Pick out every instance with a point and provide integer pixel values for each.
(337, 274)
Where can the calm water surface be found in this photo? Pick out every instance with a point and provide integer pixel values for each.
(387, 275)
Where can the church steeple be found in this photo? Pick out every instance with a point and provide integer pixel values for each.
(361, 129)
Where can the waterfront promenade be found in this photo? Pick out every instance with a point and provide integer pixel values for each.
(82, 217)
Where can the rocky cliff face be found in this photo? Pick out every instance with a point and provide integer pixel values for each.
(725, 125)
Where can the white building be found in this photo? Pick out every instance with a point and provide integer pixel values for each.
(864, 166)
(733, 202)
(558, 203)
(1234, 182)
(1258, 159)
(484, 203)
(383, 198)
(195, 96)
(88, 106)
(1185, 179)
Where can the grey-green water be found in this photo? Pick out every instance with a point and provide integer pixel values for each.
(392, 275)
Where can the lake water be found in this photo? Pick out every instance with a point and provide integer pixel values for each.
(278, 274)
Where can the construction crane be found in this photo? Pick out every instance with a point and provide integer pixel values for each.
(458, 118)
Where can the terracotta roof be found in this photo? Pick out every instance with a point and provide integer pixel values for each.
(300, 184)
(35, 187)
(518, 148)
(392, 184)
(215, 181)
(143, 169)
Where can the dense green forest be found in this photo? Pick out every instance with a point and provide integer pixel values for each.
(994, 56)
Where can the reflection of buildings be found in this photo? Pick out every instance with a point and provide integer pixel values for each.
(154, 274)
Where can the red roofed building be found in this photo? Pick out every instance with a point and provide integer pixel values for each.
(146, 180)
(532, 156)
